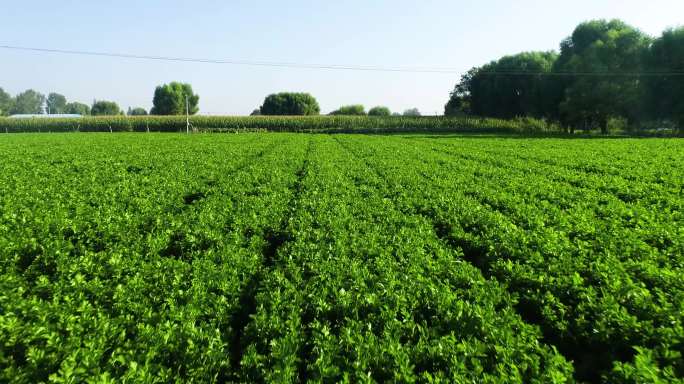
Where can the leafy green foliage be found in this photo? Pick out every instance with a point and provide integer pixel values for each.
(513, 86)
(5, 103)
(28, 102)
(350, 110)
(665, 94)
(411, 112)
(322, 124)
(77, 109)
(557, 227)
(290, 104)
(328, 258)
(459, 99)
(602, 47)
(136, 111)
(56, 103)
(105, 108)
(170, 99)
(603, 74)
(379, 111)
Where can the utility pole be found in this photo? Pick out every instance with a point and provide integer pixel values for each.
(187, 116)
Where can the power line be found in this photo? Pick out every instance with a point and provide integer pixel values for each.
(233, 62)
(339, 67)
(582, 74)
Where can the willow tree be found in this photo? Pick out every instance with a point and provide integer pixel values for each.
(597, 74)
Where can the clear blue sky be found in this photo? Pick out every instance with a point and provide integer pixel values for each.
(428, 33)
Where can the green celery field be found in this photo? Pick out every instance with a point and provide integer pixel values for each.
(293, 257)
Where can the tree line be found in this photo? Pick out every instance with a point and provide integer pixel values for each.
(607, 73)
(169, 99)
(381, 111)
(304, 104)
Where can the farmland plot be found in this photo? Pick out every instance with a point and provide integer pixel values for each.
(328, 258)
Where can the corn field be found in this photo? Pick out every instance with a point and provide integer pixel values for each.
(322, 124)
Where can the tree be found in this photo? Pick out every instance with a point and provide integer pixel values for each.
(379, 111)
(170, 99)
(350, 110)
(105, 108)
(256, 112)
(664, 95)
(456, 106)
(512, 86)
(5, 103)
(459, 99)
(56, 103)
(76, 108)
(28, 102)
(413, 112)
(292, 104)
(610, 51)
(136, 111)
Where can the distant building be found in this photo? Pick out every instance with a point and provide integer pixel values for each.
(54, 116)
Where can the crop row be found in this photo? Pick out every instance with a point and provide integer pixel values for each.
(130, 262)
(251, 258)
(360, 291)
(340, 258)
(601, 276)
(358, 124)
